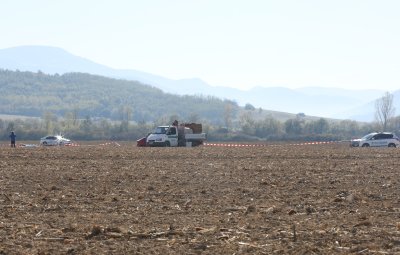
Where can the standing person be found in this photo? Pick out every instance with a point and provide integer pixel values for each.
(12, 137)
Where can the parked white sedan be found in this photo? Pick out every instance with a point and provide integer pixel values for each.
(54, 140)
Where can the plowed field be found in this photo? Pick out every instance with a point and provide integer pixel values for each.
(315, 199)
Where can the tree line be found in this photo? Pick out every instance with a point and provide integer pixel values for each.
(245, 127)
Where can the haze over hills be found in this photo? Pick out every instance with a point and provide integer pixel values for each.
(324, 102)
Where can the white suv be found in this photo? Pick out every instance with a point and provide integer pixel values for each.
(383, 139)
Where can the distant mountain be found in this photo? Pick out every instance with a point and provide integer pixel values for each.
(52, 60)
(366, 112)
(325, 102)
(362, 95)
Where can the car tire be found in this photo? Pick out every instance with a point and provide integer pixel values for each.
(44, 143)
(167, 144)
(365, 145)
(392, 145)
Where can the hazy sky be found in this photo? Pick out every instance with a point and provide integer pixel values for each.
(237, 43)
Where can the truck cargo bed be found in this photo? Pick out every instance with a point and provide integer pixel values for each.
(201, 136)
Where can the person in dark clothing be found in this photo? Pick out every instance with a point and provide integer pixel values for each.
(12, 137)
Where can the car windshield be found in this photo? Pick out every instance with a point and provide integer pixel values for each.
(160, 130)
(367, 137)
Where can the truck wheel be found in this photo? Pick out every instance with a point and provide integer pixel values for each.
(195, 143)
(365, 145)
(392, 145)
(167, 144)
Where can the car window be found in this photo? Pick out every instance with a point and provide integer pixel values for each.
(383, 136)
(368, 137)
(375, 137)
(387, 136)
(172, 131)
(160, 130)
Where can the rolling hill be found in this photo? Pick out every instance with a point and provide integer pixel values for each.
(28, 94)
(33, 94)
(325, 102)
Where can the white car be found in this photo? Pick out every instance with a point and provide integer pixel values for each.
(54, 140)
(383, 139)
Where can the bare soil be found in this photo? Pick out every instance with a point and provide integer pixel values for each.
(315, 199)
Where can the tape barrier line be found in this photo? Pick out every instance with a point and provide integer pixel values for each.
(18, 145)
(92, 145)
(22, 145)
(234, 145)
(269, 145)
(72, 144)
(204, 144)
(109, 143)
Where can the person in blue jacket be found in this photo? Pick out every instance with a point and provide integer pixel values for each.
(12, 137)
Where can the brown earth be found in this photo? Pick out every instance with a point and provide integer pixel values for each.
(315, 199)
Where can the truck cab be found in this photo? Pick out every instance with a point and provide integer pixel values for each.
(163, 136)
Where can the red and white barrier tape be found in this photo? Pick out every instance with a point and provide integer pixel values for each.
(101, 144)
(68, 145)
(110, 143)
(233, 145)
(72, 144)
(9, 145)
(264, 145)
(316, 143)
(205, 144)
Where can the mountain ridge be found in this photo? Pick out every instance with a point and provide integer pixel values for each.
(326, 102)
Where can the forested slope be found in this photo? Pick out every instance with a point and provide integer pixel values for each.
(34, 94)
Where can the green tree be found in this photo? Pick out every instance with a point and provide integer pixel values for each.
(249, 107)
(228, 115)
(293, 126)
(320, 126)
(74, 116)
(49, 122)
(247, 123)
(10, 127)
(87, 124)
(268, 127)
